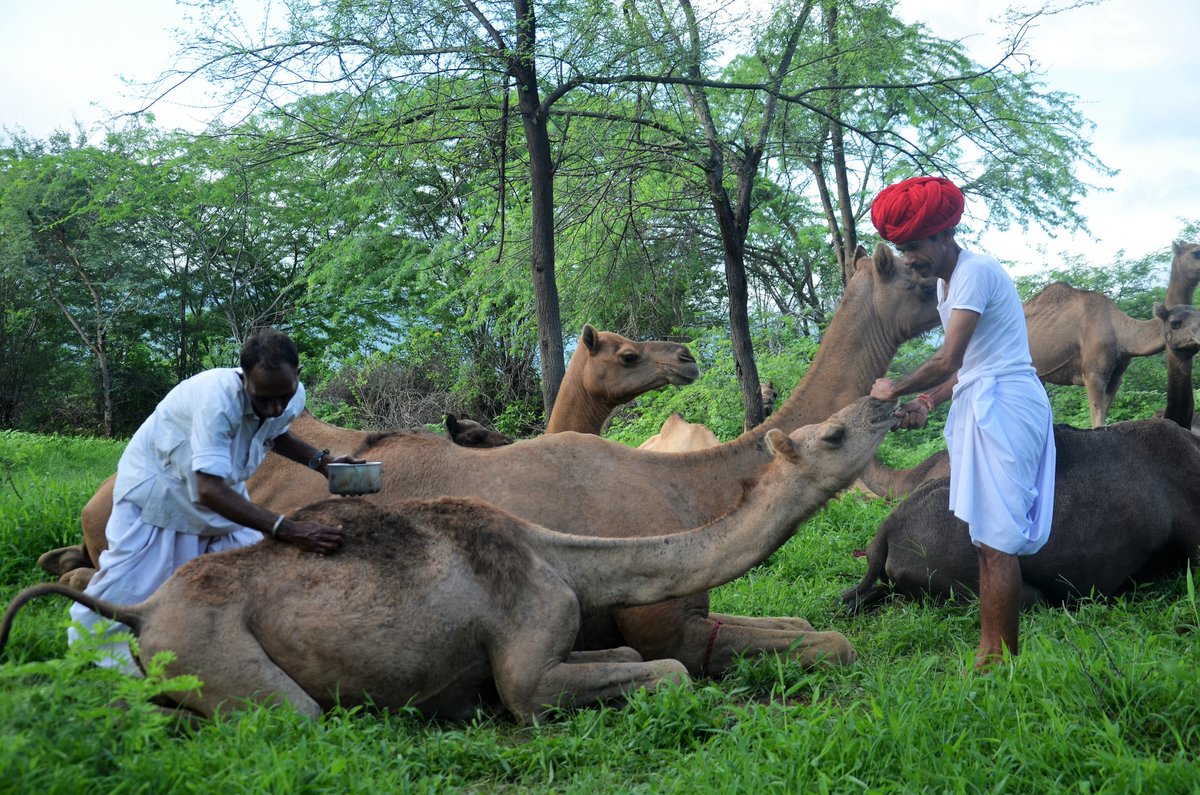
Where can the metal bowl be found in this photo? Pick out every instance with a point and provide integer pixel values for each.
(356, 478)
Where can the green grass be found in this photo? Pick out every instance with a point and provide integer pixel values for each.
(1103, 699)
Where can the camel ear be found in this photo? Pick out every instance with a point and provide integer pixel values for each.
(861, 252)
(588, 337)
(884, 264)
(451, 423)
(778, 442)
(1160, 311)
(1176, 247)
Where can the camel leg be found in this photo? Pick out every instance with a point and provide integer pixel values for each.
(620, 654)
(581, 684)
(723, 643)
(535, 670)
(764, 622)
(1101, 389)
(78, 578)
(65, 559)
(232, 670)
(681, 629)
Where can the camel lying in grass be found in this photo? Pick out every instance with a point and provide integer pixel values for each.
(451, 605)
(1124, 511)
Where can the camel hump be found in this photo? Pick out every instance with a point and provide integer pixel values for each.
(680, 436)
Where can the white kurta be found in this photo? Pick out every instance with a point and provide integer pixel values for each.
(1000, 432)
(205, 424)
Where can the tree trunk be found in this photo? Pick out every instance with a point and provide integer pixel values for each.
(541, 179)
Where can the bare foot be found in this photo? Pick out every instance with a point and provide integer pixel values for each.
(986, 661)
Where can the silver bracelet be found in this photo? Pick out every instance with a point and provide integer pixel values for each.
(275, 527)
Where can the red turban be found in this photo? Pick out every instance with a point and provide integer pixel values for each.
(915, 208)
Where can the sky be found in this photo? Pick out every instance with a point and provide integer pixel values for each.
(1133, 65)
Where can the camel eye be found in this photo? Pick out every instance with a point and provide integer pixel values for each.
(629, 358)
(835, 436)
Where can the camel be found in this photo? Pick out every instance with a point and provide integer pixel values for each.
(1179, 328)
(1124, 511)
(1183, 342)
(1185, 273)
(1080, 337)
(467, 432)
(606, 370)
(625, 492)
(766, 391)
(680, 436)
(450, 604)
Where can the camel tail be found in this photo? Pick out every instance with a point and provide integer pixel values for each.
(869, 590)
(122, 613)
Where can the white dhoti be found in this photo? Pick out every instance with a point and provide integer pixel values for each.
(1000, 435)
(139, 558)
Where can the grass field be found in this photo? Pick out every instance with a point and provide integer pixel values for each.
(1104, 698)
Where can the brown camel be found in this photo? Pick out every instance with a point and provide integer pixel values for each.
(467, 432)
(1185, 273)
(452, 604)
(1124, 511)
(767, 391)
(628, 492)
(1182, 324)
(1080, 337)
(680, 436)
(605, 371)
(624, 492)
(1179, 327)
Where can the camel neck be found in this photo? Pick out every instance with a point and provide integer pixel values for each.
(663, 567)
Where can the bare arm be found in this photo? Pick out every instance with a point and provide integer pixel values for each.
(937, 376)
(310, 536)
(302, 452)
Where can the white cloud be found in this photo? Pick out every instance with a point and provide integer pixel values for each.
(1133, 66)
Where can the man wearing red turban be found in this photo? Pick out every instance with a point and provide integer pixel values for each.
(1000, 428)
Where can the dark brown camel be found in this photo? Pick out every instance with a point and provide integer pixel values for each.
(1124, 511)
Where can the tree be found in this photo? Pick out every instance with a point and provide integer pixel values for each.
(74, 199)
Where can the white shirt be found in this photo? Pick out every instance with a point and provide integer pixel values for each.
(205, 424)
(1000, 343)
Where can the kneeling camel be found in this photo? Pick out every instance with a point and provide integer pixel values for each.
(452, 604)
(1124, 511)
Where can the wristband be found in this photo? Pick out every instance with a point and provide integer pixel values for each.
(275, 527)
(318, 459)
(927, 399)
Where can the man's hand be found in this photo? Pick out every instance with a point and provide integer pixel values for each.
(344, 459)
(913, 414)
(884, 389)
(311, 536)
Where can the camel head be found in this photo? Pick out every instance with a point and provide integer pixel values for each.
(769, 396)
(620, 369)
(1185, 257)
(1181, 328)
(907, 302)
(830, 454)
(466, 432)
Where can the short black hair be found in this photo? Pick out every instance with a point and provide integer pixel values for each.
(270, 349)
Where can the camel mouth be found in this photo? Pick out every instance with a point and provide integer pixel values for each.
(683, 376)
(883, 413)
